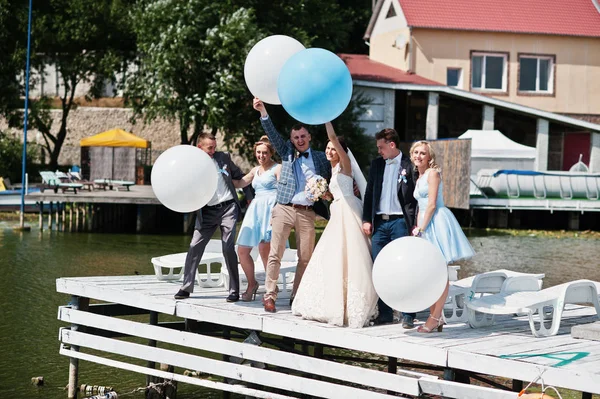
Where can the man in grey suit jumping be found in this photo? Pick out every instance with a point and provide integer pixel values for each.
(293, 209)
(221, 211)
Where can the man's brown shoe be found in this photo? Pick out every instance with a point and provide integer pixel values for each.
(269, 305)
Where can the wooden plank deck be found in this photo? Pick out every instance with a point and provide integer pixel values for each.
(507, 349)
(138, 194)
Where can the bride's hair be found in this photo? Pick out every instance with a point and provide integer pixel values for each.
(343, 143)
(264, 140)
(432, 162)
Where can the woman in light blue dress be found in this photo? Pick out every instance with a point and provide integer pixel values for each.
(256, 227)
(435, 222)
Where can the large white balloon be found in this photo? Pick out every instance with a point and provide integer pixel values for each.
(184, 178)
(264, 62)
(410, 274)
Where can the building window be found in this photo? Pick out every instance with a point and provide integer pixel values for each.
(488, 71)
(536, 74)
(454, 77)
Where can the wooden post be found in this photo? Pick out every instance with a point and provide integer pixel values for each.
(586, 395)
(41, 215)
(56, 215)
(71, 216)
(517, 385)
(50, 217)
(152, 343)
(84, 224)
(77, 303)
(63, 217)
(77, 217)
(448, 374)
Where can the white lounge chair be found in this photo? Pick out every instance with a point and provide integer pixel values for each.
(53, 182)
(473, 287)
(514, 298)
(174, 265)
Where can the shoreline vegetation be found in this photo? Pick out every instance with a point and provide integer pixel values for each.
(32, 218)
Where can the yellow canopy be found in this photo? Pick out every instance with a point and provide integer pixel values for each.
(114, 138)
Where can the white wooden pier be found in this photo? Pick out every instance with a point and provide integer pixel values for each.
(207, 322)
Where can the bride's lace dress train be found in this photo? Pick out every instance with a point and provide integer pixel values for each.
(337, 287)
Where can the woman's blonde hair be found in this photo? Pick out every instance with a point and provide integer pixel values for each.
(432, 163)
(264, 140)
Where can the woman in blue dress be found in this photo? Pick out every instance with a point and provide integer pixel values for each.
(256, 227)
(436, 223)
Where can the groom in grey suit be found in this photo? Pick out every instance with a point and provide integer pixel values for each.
(221, 211)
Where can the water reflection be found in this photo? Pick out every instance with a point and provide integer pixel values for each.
(30, 262)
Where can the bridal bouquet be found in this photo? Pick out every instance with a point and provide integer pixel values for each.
(316, 186)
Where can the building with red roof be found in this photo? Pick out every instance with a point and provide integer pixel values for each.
(528, 68)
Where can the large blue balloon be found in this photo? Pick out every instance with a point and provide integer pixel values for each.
(314, 86)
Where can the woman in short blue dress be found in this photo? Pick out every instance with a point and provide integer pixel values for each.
(256, 227)
(435, 222)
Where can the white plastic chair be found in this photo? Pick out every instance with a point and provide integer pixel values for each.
(515, 298)
(289, 261)
(175, 263)
(470, 288)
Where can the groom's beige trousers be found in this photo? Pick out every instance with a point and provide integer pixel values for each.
(283, 219)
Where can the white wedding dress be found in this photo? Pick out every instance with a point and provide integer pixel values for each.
(337, 287)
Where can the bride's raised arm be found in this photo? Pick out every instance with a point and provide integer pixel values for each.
(344, 159)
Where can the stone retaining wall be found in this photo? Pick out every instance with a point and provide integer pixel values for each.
(88, 121)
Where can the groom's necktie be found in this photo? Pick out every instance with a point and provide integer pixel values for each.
(390, 161)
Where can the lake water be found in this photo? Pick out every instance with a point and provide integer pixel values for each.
(30, 263)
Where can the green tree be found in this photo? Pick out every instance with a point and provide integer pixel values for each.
(88, 41)
(10, 156)
(189, 63)
(191, 57)
(13, 42)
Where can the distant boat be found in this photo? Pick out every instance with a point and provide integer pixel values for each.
(539, 185)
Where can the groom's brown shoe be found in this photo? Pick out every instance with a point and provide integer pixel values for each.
(269, 305)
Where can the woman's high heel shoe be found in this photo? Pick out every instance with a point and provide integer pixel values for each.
(250, 295)
(440, 325)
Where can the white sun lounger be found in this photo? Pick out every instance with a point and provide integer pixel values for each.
(531, 302)
(473, 287)
(174, 265)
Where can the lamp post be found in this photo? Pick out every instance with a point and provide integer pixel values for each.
(22, 213)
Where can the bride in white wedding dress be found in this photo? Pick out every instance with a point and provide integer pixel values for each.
(337, 287)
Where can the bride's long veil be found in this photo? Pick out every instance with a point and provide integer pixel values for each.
(359, 178)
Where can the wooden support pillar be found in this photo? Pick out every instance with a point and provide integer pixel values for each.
(77, 206)
(77, 303)
(63, 216)
(41, 215)
(84, 214)
(586, 395)
(449, 374)
(517, 385)
(574, 220)
(152, 343)
(50, 217)
(71, 216)
(57, 216)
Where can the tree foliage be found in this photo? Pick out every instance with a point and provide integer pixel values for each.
(88, 42)
(192, 53)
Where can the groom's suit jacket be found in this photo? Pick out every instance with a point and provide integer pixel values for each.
(405, 191)
(286, 186)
